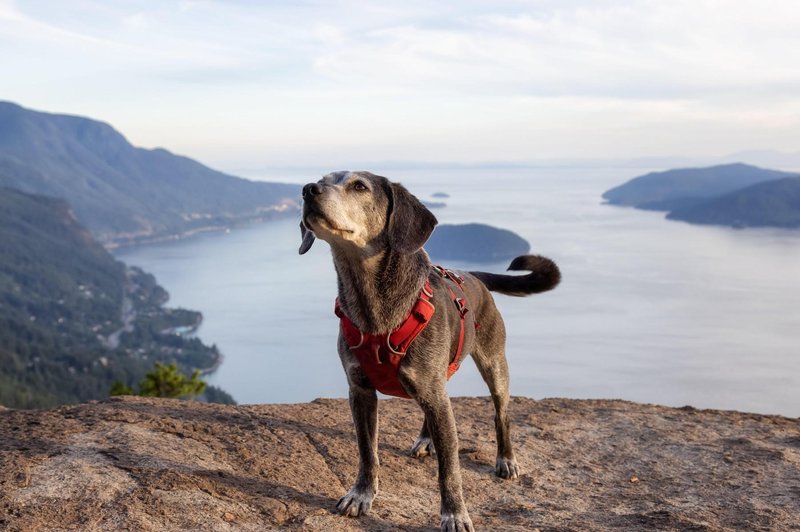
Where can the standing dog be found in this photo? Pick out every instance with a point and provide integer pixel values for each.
(376, 230)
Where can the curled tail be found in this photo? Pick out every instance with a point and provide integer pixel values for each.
(544, 275)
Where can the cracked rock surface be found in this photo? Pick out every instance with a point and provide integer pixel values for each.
(157, 464)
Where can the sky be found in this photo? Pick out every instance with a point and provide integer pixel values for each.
(249, 84)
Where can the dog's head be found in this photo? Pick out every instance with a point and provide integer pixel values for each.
(363, 211)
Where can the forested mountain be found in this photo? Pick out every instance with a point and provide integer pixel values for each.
(671, 189)
(771, 204)
(121, 192)
(72, 318)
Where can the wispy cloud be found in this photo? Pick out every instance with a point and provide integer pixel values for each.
(473, 79)
(632, 50)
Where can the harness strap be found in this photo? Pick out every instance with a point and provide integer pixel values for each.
(461, 305)
(397, 341)
(456, 363)
(400, 340)
(379, 355)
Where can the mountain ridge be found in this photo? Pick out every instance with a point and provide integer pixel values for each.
(650, 190)
(734, 195)
(768, 204)
(123, 193)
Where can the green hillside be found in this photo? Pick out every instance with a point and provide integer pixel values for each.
(120, 192)
(771, 204)
(72, 318)
(672, 189)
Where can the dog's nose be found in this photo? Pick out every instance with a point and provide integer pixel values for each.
(312, 189)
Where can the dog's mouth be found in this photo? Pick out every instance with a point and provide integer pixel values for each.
(333, 229)
(315, 219)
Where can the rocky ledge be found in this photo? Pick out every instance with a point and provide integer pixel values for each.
(154, 464)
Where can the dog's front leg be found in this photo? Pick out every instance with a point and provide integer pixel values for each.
(364, 407)
(441, 423)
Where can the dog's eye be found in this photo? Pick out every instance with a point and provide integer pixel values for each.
(359, 186)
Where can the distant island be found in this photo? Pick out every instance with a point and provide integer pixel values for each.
(440, 195)
(121, 193)
(771, 204)
(73, 319)
(733, 195)
(434, 204)
(475, 243)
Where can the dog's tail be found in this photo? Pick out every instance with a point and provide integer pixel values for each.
(544, 275)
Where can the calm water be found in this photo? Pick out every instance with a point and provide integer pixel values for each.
(649, 310)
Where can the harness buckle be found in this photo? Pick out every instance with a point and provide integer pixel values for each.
(461, 305)
(392, 348)
(427, 290)
(449, 274)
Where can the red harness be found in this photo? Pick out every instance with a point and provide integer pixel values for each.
(379, 355)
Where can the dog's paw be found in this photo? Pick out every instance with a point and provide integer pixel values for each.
(459, 522)
(422, 447)
(507, 468)
(355, 503)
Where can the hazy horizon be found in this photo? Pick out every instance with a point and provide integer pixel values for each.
(301, 173)
(244, 85)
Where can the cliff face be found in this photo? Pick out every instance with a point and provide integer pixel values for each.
(155, 464)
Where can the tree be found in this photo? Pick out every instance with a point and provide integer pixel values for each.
(120, 388)
(164, 381)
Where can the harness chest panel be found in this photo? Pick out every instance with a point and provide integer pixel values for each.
(379, 355)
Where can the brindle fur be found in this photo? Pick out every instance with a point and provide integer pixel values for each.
(376, 230)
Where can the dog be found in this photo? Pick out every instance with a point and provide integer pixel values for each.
(376, 230)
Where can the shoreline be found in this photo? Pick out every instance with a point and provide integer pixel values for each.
(263, 217)
(214, 367)
(119, 243)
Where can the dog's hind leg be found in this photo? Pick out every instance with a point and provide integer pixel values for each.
(489, 355)
(423, 445)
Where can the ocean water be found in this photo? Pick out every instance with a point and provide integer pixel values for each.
(649, 310)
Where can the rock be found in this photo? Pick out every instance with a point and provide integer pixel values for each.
(158, 464)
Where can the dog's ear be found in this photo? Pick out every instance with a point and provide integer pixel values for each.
(307, 236)
(410, 222)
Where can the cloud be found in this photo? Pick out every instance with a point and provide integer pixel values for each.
(136, 20)
(635, 49)
(8, 10)
(650, 50)
(505, 79)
